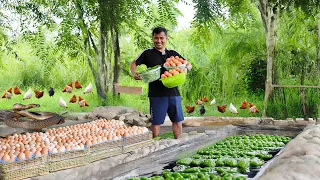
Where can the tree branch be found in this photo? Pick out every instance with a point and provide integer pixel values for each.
(93, 44)
(263, 12)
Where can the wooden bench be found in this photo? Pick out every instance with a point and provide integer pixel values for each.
(128, 89)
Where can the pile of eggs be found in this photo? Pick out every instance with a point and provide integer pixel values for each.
(19, 147)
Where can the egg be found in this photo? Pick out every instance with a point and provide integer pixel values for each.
(28, 154)
(21, 156)
(44, 151)
(6, 157)
(61, 149)
(37, 154)
(54, 150)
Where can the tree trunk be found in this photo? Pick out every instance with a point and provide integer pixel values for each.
(269, 18)
(303, 93)
(318, 63)
(116, 49)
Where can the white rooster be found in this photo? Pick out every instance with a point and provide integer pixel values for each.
(233, 109)
(88, 89)
(62, 103)
(213, 102)
(28, 94)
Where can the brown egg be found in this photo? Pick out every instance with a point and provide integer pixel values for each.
(6, 157)
(21, 156)
(37, 154)
(88, 143)
(28, 154)
(44, 151)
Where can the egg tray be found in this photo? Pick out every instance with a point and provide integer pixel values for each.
(68, 163)
(105, 153)
(67, 155)
(135, 146)
(137, 138)
(106, 145)
(38, 170)
(7, 167)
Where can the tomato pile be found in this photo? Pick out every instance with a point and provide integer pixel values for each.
(174, 61)
(171, 72)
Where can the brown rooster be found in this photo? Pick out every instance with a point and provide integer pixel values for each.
(77, 85)
(205, 99)
(190, 109)
(16, 90)
(38, 94)
(222, 108)
(244, 105)
(73, 99)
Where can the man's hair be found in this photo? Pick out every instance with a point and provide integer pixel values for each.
(158, 30)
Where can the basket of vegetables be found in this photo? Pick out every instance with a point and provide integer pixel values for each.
(174, 62)
(173, 78)
(149, 74)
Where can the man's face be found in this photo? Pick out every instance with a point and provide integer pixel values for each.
(159, 40)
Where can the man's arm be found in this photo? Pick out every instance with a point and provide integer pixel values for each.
(133, 69)
(188, 67)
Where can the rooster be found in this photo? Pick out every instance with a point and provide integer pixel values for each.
(62, 103)
(205, 99)
(67, 89)
(190, 109)
(88, 89)
(16, 90)
(213, 102)
(27, 95)
(244, 105)
(253, 109)
(38, 94)
(77, 85)
(82, 102)
(51, 91)
(202, 110)
(233, 109)
(73, 99)
(222, 108)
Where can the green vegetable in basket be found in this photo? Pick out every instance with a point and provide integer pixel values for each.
(220, 162)
(185, 161)
(192, 170)
(196, 162)
(143, 68)
(255, 162)
(208, 163)
(243, 164)
(157, 178)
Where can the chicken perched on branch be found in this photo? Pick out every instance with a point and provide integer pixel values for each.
(77, 85)
(244, 105)
(16, 90)
(190, 109)
(222, 108)
(38, 94)
(88, 89)
(27, 95)
(73, 99)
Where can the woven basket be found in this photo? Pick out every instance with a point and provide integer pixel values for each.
(102, 154)
(137, 138)
(68, 163)
(106, 145)
(135, 146)
(22, 164)
(38, 170)
(67, 155)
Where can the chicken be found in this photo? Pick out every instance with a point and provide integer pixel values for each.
(213, 102)
(67, 89)
(73, 99)
(27, 95)
(190, 109)
(253, 109)
(16, 90)
(51, 91)
(62, 103)
(233, 109)
(251, 104)
(199, 102)
(82, 102)
(6, 95)
(205, 99)
(9, 90)
(222, 108)
(202, 110)
(77, 85)
(88, 89)
(38, 94)
(244, 105)
(70, 84)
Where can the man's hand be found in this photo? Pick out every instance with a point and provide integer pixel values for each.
(136, 76)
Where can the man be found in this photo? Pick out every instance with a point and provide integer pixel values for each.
(162, 100)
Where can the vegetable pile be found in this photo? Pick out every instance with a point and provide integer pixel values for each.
(149, 74)
(230, 159)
